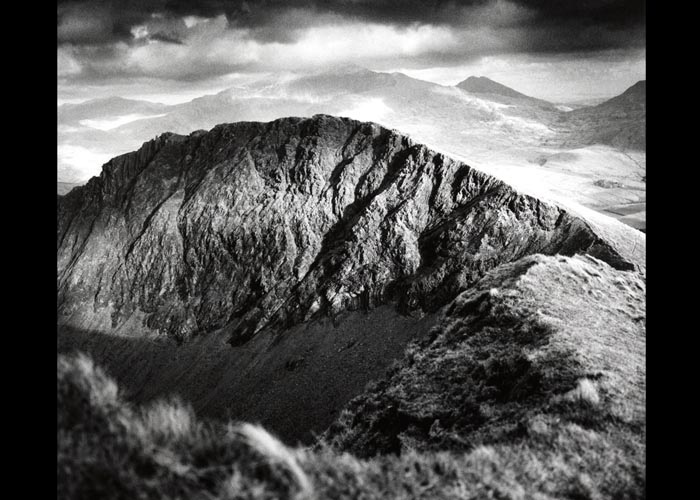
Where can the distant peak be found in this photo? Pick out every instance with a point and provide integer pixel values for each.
(483, 85)
(98, 100)
(112, 101)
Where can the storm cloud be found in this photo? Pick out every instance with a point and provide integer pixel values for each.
(102, 42)
(98, 38)
(116, 18)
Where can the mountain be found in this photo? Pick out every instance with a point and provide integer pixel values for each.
(327, 276)
(254, 225)
(633, 98)
(533, 146)
(336, 81)
(483, 85)
(619, 121)
(531, 384)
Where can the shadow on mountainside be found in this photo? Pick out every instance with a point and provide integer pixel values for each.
(294, 383)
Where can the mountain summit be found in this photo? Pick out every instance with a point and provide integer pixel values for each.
(483, 85)
(265, 225)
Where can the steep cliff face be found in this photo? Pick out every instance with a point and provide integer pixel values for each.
(255, 225)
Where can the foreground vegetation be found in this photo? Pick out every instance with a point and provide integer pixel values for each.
(532, 386)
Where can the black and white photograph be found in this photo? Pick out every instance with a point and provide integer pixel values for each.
(351, 249)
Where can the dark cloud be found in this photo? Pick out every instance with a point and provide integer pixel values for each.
(106, 21)
(100, 39)
(448, 12)
(618, 13)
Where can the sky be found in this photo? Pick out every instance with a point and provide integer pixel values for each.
(174, 50)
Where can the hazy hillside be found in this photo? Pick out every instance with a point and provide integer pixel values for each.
(71, 114)
(483, 85)
(634, 98)
(619, 122)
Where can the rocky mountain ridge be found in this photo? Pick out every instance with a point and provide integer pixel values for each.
(266, 225)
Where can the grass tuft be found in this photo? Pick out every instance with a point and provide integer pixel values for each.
(585, 392)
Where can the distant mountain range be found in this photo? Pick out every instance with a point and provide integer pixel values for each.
(619, 122)
(634, 98)
(528, 142)
(71, 114)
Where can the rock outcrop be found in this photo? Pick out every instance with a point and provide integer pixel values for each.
(254, 225)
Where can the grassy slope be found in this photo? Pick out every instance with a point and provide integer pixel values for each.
(294, 384)
(532, 386)
(107, 449)
(543, 359)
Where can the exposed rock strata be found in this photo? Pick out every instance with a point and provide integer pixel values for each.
(255, 225)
